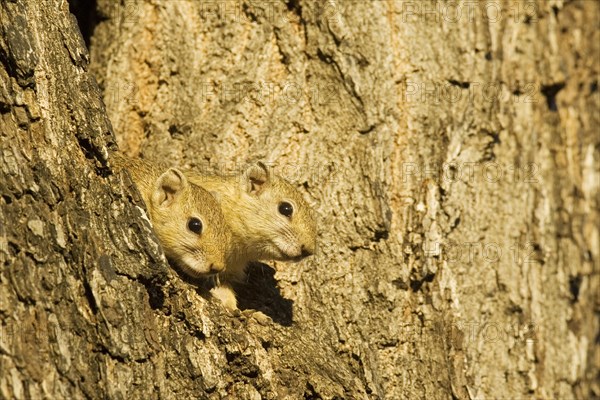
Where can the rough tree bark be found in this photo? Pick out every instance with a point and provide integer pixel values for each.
(450, 148)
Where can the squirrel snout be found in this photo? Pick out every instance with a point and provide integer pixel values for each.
(306, 251)
(214, 268)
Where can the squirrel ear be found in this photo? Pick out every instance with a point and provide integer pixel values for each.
(256, 177)
(168, 186)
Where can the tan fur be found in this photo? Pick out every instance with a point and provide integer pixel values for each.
(171, 201)
(249, 202)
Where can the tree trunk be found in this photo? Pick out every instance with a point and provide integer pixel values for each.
(450, 149)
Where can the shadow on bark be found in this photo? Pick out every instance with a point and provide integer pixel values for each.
(260, 292)
(87, 17)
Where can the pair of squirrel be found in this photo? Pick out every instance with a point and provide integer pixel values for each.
(215, 225)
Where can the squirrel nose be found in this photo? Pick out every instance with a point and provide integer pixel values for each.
(214, 268)
(305, 252)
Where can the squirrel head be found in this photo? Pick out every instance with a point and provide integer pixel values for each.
(280, 223)
(189, 224)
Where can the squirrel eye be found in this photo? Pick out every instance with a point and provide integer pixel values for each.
(195, 225)
(286, 209)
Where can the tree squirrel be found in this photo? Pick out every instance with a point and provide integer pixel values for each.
(268, 218)
(186, 218)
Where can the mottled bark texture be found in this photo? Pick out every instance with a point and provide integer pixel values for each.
(450, 148)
